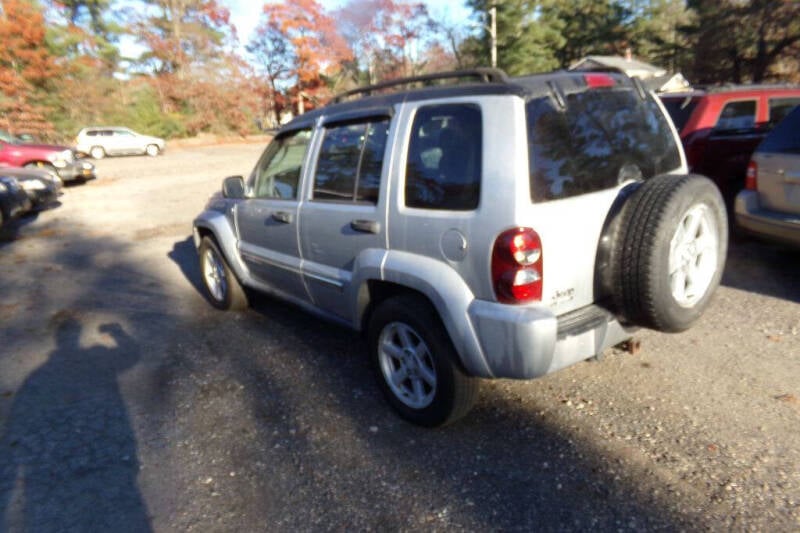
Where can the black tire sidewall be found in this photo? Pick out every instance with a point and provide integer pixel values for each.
(670, 315)
(427, 325)
(205, 245)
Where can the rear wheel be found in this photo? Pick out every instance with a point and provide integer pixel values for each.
(97, 152)
(222, 288)
(416, 365)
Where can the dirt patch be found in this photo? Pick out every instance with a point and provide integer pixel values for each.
(160, 231)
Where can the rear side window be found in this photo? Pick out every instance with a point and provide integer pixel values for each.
(785, 137)
(680, 109)
(737, 117)
(603, 138)
(351, 161)
(780, 107)
(443, 170)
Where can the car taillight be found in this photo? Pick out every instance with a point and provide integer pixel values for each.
(751, 180)
(517, 263)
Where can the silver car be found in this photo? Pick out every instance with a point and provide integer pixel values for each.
(769, 206)
(499, 228)
(99, 142)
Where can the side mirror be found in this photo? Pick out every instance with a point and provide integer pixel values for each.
(233, 187)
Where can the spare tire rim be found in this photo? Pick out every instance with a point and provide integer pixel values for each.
(214, 275)
(693, 256)
(407, 365)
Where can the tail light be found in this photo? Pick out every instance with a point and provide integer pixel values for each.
(751, 179)
(517, 274)
(594, 80)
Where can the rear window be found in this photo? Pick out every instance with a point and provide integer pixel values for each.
(785, 138)
(603, 138)
(680, 109)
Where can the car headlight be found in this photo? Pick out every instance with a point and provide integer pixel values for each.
(62, 158)
(33, 185)
(3, 187)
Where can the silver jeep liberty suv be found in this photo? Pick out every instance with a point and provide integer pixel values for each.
(491, 227)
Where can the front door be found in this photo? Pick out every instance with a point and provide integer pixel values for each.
(267, 219)
(343, 216)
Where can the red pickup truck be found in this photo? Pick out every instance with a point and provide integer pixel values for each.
(58, 159)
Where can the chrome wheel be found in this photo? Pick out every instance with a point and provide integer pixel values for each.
(693, 256)
(97, 152)
(152, 150)
(214, 275)
(407, 365)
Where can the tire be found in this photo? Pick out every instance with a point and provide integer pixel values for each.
(97, 152)
(222, 288)
(406, 337)
(152, 150)
(670, 252)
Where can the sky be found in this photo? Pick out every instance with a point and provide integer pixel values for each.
(245, 13)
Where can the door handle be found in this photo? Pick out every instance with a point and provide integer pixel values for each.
(282, 217)
(366, 226)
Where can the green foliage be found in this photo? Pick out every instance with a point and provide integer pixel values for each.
(526, 42)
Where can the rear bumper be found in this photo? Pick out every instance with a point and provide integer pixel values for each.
(751, 217)
(527, 342)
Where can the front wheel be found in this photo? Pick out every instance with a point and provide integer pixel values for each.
(221, 286)
(152, 150)
(97, 152)
(416, 365)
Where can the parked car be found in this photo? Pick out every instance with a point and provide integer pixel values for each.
(99, 142)
(55, 158)
(42, 186)
(501, 228)
(769, 206)
(720, 127)
(13, 199)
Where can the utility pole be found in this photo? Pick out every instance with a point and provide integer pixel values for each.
(493, 33)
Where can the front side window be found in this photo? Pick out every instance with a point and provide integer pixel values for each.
(603, 138)
(780, 107)
(277, 173)
(351, 161)
(737, 117)
(443, 170)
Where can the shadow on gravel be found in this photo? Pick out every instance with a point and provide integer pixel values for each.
(763, 268)
(322, 450)
(184, 255)
(69, 451)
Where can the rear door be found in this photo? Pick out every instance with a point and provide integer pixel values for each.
(343, 214)
(267, 219)
(778, 160)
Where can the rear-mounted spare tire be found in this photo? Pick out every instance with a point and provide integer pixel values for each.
(670, 251)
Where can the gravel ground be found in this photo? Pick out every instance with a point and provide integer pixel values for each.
(128, 404)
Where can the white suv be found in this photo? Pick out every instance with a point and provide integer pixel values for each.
(99, 142)
(500, 229)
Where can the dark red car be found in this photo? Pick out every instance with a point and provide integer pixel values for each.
(721, 127)
(58, 159)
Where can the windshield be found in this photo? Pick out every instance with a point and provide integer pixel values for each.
(603, 138)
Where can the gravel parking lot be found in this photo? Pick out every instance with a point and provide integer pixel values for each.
(128, 404)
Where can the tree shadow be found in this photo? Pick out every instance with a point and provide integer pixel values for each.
(68, 453)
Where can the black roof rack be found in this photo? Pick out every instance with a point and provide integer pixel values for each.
(484, 75)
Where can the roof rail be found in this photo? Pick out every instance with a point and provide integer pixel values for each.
(726, 87)
(484, 75)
